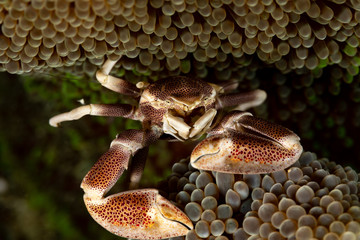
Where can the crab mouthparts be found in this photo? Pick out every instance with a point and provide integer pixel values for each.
(192, 125)
(189, 116)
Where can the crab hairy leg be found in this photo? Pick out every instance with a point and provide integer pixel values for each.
(243, 101)
(113, 83)
(139, 214)
(108, 110)
(243, 144)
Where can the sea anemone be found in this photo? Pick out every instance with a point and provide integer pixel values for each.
(160, 35)
(314, 198)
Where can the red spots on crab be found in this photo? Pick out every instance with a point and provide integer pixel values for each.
(247, 151)
(106, 170)
(129, 209)
(138, 214)
(254, 149)
(270, 130)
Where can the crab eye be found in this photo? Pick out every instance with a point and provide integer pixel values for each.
(206, 98)
(168, 102)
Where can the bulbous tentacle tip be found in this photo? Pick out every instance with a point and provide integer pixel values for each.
(243, 153)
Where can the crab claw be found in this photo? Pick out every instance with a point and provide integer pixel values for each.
(244, 144)
(139, 214)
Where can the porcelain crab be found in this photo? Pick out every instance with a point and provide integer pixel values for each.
(183, 109)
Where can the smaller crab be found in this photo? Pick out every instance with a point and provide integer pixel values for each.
(179, 108)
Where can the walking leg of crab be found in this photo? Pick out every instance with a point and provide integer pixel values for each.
(139, 214)
(137, 167)
(113, 83)
(228, 86)
(243, 101)
(108, 110)
(244, 144)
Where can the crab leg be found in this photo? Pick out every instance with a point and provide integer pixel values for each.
(108, 110)
(113, 83)
(243, 144)
(139, 214)
(137, 167)
(228, 85)
(243, 101)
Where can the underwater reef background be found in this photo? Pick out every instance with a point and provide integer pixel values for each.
(303, 54)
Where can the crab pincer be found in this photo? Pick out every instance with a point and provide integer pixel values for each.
(138, 214)
(243, 144)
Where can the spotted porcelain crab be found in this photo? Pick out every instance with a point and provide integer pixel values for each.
(179, 108)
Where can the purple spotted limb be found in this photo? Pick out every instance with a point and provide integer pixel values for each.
(179, 108)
